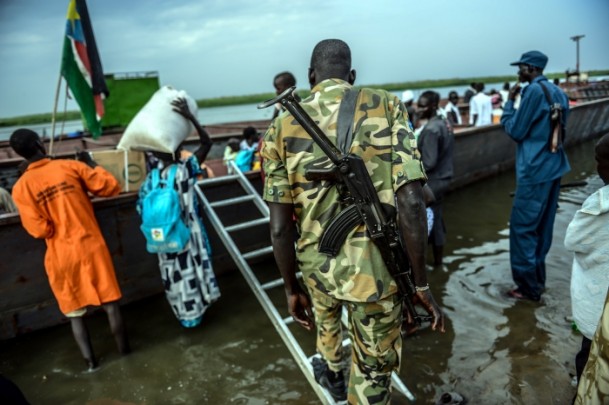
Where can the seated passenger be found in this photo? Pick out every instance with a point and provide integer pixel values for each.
(7, 205)
(230, 152)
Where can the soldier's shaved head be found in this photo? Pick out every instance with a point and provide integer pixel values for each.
(331, 59)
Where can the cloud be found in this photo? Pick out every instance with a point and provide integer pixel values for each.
(217, 47)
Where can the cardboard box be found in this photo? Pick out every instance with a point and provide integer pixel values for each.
(128, 167)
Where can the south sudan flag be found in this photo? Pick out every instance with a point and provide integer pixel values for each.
(81, 66)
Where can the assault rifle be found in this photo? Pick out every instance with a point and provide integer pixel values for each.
(557, 130)
(362, 204)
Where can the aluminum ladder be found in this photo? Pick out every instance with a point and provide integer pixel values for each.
(250, 194)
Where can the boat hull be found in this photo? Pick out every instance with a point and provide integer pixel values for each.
(485, 151)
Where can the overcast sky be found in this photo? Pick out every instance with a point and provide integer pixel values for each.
(216, 48)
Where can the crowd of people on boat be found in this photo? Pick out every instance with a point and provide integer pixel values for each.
(408, 159)
(476, 108)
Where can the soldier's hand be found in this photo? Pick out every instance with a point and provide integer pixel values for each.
(426, 300)
(299, 306)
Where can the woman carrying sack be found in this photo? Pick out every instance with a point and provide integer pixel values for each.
(190, 284)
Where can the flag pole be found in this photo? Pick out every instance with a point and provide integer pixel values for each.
(53, 116)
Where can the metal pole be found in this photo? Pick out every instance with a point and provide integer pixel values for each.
(577, 55)
(576, 38)
(54, 115)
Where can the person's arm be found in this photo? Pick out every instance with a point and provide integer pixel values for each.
(33, 219)
(517, 123)
(428, 195)
(408, 180)
(590, 219)
(413, 223)
(282, 237)
(96, 179)
(428, 146)
(449, 114)
(473, 113)
(181, 107)
(277, 194)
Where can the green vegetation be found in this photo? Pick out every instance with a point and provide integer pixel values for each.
(428, 84)
(233, 100)
(257, 98)
(38, 118)
(238, 100)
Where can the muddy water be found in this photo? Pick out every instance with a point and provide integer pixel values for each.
(495, 350)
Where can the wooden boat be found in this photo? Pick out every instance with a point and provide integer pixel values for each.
(26, 302)
(484, 151)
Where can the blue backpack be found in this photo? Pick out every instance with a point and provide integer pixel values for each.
(244, 159)
(162, 223)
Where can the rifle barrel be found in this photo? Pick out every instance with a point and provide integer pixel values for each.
(287, 100)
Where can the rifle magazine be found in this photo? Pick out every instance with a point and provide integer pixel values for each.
(335, 234)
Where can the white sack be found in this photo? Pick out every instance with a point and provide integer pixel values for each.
(156, 127)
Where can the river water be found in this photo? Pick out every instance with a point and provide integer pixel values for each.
(215, 115)
(495, 350)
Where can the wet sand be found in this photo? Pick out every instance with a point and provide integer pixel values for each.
(495, 351)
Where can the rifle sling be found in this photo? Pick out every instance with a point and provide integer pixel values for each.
(555, 128)
(546, 93)
(344, 125)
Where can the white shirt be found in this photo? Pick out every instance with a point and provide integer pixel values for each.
(481, 105)
(504, 96)
(451, 107)
(243, 145)
(587, 237)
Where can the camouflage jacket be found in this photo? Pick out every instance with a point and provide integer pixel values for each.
(384, 140)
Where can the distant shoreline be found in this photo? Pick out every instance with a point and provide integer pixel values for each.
(256, 98)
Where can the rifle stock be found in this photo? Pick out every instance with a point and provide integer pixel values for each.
(363, 204)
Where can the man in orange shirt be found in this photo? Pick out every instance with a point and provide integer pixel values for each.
(53, 203)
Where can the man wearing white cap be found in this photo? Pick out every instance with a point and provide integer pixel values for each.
(540, 163)
(408, 100)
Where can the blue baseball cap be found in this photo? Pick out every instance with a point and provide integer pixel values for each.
(533, 58)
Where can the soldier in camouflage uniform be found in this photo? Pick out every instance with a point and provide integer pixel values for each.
(356, 277)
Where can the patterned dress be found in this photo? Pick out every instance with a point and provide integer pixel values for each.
(188, 277)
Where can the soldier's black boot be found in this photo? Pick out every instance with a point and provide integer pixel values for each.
(332, 381)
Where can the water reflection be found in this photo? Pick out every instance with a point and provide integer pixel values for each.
(500, 350)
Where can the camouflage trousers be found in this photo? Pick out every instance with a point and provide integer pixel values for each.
(376, 343)
(593, 387)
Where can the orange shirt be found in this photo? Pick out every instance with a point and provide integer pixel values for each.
(54, 205)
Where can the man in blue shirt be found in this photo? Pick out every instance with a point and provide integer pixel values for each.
(539, 167)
